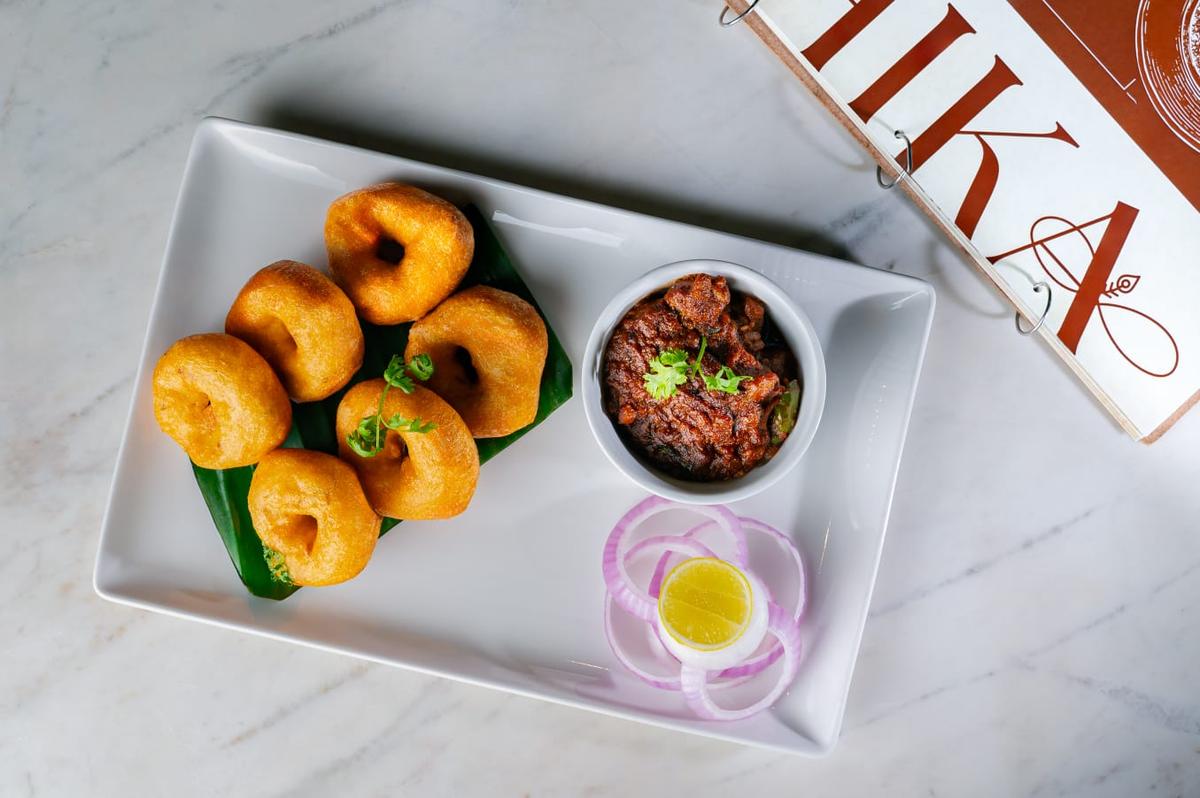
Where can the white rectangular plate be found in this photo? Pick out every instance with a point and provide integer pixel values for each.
(509, 594)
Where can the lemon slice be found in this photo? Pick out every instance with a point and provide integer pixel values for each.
(705, 604)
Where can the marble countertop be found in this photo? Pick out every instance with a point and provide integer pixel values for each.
(1036, 625)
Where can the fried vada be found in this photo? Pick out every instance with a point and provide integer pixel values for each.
(416, 475)
(303, 325)
(396, 250)
(220, 401)
(488, 349)
(310, 509)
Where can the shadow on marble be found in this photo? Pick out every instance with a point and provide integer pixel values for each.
(949, 285)
(949, 288)
(663, 205)
(804, 115)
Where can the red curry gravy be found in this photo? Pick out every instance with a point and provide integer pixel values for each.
(697, 433)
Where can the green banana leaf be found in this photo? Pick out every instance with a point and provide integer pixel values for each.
(225, 491)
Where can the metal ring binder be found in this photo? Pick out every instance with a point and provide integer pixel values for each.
(907, 163)
(725, 23)
(1037, 289)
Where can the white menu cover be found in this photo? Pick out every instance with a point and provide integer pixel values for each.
(1058, 142)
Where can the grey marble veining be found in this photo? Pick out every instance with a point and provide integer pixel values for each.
(1035, 628)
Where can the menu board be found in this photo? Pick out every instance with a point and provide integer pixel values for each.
(1057, 142)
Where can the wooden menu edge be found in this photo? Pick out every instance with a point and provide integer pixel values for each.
(1171, 419)
(762, 28)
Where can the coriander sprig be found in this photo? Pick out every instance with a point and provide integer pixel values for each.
(667, 371)
(402, 424)
(670, 369)
(367, 438)
(725, 380)
(700, 354)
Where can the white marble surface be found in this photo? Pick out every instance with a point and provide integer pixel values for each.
(1036, 625)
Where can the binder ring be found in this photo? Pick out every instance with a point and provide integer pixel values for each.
(907, 163)
(725, 23)
(1037, 289)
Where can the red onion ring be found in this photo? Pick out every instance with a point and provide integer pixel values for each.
(754, 525)
(786, 542)
(695, 686)
(662, 681)
(632, 598)
(672, 544)
(766, 658)
(693, 682)
(637, 601)
(660, 569)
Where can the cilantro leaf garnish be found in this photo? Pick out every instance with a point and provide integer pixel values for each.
(725, 380)
(421, 367)
(367, 438)
(399, 423)
(668, 371)
(671, 368)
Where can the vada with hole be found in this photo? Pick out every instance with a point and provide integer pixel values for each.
(396, 250)
(426, 465)
(220, 401)
(309, 508)
(488, 349)
(303, 325)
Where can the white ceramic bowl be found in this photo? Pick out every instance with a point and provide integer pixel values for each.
(796, 330)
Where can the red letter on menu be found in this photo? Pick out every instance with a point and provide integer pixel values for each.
(901, 73)
(1091, 287)
(951, 123)
(988, 173)
(968, 106)
(840, 33)
(911, 63)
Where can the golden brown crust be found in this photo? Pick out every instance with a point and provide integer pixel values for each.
(220, 401)
(303, 325)
(416, 475)
(310, 508)
(507, 343)
(438, 245)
